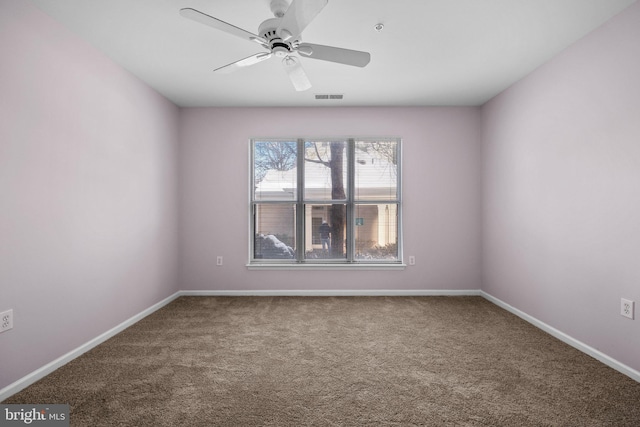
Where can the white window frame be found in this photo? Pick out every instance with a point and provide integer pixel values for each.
(350, 261)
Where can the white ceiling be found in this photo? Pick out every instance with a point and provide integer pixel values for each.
(431, 52)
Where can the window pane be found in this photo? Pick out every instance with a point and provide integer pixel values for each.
(340, 208)
(376, 232)
(325, 233)
(325, 170)
(274, 226)
(376, 170)
(274, 170)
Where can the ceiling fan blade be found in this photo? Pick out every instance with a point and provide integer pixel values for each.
(299, 14)
(335, 54)
(296, 73)
(205, 19)
(250, 60)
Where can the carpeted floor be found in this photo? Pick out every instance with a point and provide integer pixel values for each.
(337, 361)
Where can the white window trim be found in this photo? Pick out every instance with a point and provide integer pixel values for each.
(326, 264)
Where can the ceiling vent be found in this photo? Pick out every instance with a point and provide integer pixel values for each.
(329, 96)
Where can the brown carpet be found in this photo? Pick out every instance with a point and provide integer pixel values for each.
(337, 361)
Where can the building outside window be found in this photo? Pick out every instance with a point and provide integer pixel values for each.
(326, 201)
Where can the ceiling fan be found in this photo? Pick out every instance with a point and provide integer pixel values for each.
(280, 36)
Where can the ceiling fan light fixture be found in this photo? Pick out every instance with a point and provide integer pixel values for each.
(280, 51)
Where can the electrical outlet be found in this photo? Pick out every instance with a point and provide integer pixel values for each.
(6, 320)
(219, 260)
(412, 260)
(627, 308)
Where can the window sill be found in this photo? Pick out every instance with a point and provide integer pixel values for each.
(318, 266)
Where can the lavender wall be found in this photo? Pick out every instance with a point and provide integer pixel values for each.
(441, 186)
(87, 192)
(561, 190)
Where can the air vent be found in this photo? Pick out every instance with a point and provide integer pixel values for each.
(329, 96)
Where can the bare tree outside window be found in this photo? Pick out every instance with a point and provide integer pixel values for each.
(280, 156)
(332, 158)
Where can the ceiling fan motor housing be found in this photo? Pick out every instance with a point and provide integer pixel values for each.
(267, 31)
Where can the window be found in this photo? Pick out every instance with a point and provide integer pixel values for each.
(325, 201)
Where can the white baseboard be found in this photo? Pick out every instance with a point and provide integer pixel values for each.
(42, 372)
(336, 292)
(596, 354)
